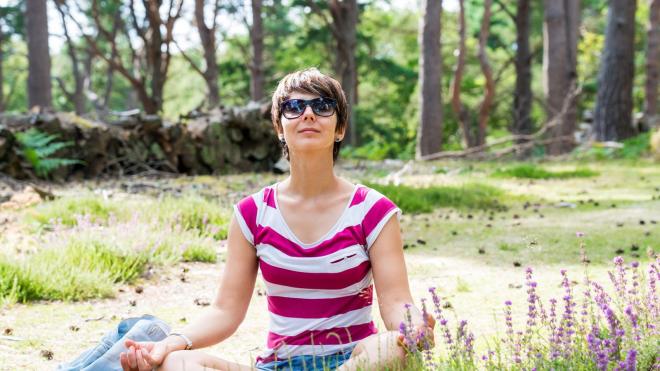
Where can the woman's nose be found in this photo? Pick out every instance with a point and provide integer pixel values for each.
(308, 113)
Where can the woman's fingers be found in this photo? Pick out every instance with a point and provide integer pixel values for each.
(123, 360)
(141, 362)
(132, 359)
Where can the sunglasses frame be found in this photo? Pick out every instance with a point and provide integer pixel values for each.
(310, 102)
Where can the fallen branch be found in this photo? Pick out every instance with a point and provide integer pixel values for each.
(524, 140)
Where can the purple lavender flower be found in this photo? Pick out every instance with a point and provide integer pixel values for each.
(631, 360)
(428, 355)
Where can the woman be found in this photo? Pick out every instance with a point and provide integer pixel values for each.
(319, 241)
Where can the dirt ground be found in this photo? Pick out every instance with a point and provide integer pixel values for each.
(46, 334)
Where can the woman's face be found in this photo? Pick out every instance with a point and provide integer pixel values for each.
(309, 132)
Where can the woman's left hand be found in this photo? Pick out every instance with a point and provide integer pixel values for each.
(423, 334)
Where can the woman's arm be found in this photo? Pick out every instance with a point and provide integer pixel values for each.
(391, 278)
(228, 310)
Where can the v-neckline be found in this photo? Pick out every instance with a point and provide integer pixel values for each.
(324, 236)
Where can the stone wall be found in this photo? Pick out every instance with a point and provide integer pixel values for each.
(230, 139)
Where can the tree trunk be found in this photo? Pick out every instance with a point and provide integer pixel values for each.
(429, 135)
(460, 111)
(78, 95)
(560, 33)
(257, 65)
(614, 105)
(522, 96)
(345, 19)
(651, 115)
(39, 84)
(2, 79)
(207, 36)
(484, 109)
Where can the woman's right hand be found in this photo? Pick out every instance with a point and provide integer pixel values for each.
(142, 356)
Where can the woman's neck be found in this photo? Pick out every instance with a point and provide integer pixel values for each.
(312, 176)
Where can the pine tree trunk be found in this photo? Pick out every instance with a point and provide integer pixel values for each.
(522, 96)
(429, 135)
(257, 66)
(485, 106)
(651, 114)
(614, 105)
(460, 111)
(560, 33)
(39, 84)
(2, 79)
(345, 20)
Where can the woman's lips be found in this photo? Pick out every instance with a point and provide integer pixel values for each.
(308, 131)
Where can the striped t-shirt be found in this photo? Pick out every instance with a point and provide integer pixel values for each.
(319, 294)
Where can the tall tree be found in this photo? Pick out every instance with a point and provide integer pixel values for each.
(345, 16)
(560, 35)
(522, 96)
(473, 129)
(207, 36)
(651, 114)
(149, 58)
(39, 85)
(77, 96)
(11, 23)
(460, 111)
(257, 63)
(486, 104)
(614, 105)
(429, 134)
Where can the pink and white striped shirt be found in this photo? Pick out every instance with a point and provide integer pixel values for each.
(319, 294)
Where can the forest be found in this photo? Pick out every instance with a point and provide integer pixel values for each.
(527, 77)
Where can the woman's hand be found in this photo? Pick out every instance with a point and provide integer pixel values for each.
(142, 356)
(422, 335)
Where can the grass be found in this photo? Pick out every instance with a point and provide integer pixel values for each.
(544, 237)
(529, 171)
(424, 200)
(65, 211)
(86, 261)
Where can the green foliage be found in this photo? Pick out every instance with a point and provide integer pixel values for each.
(38, 147)
(423, 200)
(530, 171)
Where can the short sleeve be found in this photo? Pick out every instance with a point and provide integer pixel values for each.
(378, 214)
(245, 212)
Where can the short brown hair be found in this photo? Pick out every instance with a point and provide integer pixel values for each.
(310, 81)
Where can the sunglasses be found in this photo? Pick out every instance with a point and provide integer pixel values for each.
(294, 108)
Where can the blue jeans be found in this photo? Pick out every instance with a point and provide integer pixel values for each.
(105, 355)
(307, 362)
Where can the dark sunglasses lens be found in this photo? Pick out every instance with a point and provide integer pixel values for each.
(323, 106)
(293, 108)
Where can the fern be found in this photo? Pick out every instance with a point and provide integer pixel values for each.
(37, 147)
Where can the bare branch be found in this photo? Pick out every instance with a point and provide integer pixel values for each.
(506, 10)
(318, 11)
(528, 140)
(190, 61)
